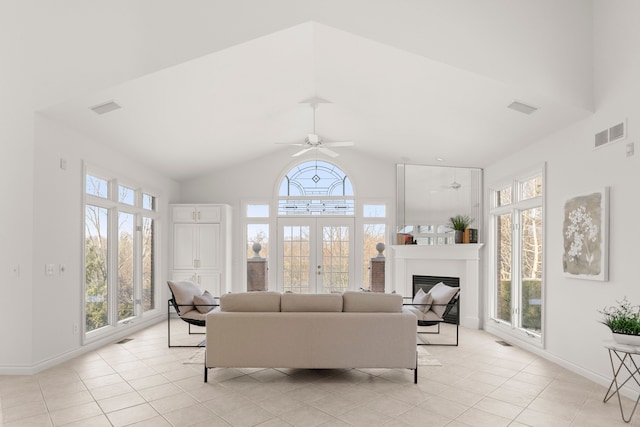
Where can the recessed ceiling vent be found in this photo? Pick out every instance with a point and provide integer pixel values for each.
(106, 107)
(613, 134)
(522, 107)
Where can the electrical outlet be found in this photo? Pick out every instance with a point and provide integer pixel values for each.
(15, 270)
(630, 149)
(75, 329)
(62, 268)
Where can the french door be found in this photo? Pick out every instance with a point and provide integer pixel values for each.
(315, 255)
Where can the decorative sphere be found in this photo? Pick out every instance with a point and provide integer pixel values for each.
(380, 248)
(257, 247)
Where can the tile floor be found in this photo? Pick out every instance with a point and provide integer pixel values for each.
(144, 383)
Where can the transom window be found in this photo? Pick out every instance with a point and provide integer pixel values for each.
(316, 188)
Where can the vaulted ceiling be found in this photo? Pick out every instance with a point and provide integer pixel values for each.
(415, 91)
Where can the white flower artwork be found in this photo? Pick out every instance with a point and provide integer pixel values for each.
(585, 236)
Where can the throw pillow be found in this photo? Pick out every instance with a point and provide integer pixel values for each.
(422, 300)
(204, 303)
(442, 294)
(183, 292)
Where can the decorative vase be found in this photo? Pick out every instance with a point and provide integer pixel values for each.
(632, 340)
(458, 235)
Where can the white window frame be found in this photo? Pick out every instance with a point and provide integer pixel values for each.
(271, 221)
(515, 208)
(112, 204)
(361, 221)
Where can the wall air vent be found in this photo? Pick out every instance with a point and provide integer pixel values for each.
(602, 137)
(617, 132)
(522, 108)
(104, 108)
(613, 134)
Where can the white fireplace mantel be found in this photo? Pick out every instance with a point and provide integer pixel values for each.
(462, 260)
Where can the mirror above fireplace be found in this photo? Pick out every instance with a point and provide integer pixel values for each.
(427, 196)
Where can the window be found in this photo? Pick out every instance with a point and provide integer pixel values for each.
(373, 232)
(119, 254)
(517, 227)
(257, 249)
(316, 188)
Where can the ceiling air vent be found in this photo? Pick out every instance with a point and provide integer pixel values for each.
(522, 108)
(106, 107)
(613, 134)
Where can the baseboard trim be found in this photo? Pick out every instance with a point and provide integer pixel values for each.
(63, 357)
(538, 351)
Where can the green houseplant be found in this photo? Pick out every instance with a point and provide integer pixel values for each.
(459, 223)
(623, 320)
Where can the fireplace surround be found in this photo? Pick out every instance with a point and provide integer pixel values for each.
(459, 261)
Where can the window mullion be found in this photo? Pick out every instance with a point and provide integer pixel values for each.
(516, 276)
(112, 275)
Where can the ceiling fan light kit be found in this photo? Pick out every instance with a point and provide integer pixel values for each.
(313, 141)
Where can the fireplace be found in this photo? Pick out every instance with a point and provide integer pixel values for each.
(427, 282)
(446, 261)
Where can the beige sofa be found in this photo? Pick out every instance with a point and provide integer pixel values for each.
(311, 331)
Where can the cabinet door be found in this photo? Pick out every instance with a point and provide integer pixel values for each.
(208, 246)
(208, 214)
(184, 275)
(184, 214)
(209, 281)
(184, 246)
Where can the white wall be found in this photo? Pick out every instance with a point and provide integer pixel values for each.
(16, 183)
(259, 179)
(57, 229)
(573, 334)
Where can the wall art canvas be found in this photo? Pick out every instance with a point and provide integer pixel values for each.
(585, 232)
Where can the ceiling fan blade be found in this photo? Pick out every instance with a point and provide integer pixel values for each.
(301, 152)
(328, 152)
(295, 144)
(338, 144)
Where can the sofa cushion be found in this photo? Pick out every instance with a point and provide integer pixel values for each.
(422, 300)
(259, 301)
(311, 302)
(442, 294)
(371, 302)
(204, 303)
(184, 292)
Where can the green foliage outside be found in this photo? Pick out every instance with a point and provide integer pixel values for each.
(531, 304)
(96, 283)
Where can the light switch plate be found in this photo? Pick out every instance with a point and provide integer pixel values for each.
(50, 269)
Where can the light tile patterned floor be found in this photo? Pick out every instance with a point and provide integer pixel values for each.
(144, 383)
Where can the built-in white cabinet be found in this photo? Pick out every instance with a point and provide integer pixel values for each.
(201, 246)
(196, 246)
(198, 213)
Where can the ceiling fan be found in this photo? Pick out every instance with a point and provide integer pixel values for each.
(453, 185)
(313, 141)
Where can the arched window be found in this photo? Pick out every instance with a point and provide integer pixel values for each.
(316, 188)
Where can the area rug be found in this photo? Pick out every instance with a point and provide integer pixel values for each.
(197, 358)
(426, 359)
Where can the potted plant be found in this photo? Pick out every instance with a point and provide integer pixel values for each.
(623, 320)
(459, 223)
